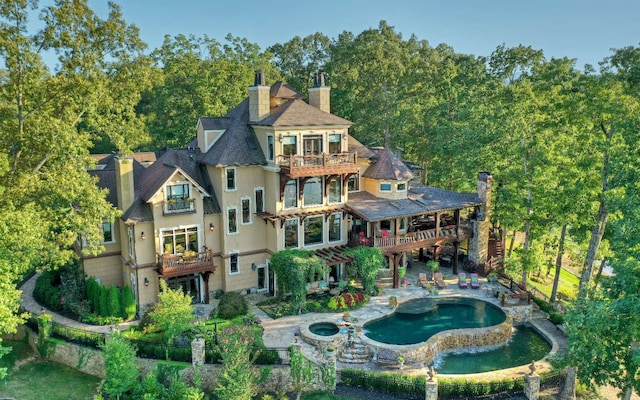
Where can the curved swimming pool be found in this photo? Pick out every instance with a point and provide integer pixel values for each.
(415, 321)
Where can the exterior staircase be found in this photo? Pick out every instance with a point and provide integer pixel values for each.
(355, 353)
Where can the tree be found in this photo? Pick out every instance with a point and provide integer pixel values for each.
(366, 262)
(294, 268)
(173, 313)
(603, 331)
(238, 379)
(121, 370)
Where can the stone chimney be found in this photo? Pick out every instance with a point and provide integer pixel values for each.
(479, 244)
(124, 183)
(319, 94)
(258, 98)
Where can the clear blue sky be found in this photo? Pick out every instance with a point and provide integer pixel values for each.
(585, 30)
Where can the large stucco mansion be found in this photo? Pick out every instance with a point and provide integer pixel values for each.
(276, 172)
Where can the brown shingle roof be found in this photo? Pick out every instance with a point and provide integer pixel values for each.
(298, 113)
(363, 151)
(283, 90)
(388, 166)
(238, 145)
(421, 200)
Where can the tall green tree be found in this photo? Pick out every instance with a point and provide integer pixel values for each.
(199, 77)
(121, 369)
(173, 313)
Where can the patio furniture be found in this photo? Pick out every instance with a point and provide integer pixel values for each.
(475, 284)
(422, 279)
(462, 280)
(439, 280)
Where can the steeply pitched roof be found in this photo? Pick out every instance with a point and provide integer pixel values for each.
(388, 166)
(298, 113)
(238, 145)
(363, 151)
(421, 200)
(283, 90)
(107, 176)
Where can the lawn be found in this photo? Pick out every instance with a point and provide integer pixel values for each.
(41, 379)
(568, 284)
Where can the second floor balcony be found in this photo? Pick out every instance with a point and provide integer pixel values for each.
(296, 166)
(172, 265)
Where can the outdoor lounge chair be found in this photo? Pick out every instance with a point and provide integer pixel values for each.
(439, 280)
(462, 280)
(422, 279)
(475, 284)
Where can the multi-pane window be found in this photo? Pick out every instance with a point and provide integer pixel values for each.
(178, 197)
(107, 232)
(335, 230)
(334, 143)
(291, 194)
(353, 184)
(232, 220)
(234, 264)
(402, 186)
(313, 230)
(231, 178)
(179, 240)
(291, 233)
(289, 147)
(259, 199)
(246, 210)
(335, 190)
(270, 151)
(402, 223)
(132, 250)
(313, 192)
(385, 187)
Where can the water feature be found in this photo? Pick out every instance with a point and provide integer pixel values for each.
(324, 328)
(415, 321)
(524, 346)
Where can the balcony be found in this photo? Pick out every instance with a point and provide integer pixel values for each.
(411, 240)
(318, 164)
(179, 205)
(171, 265)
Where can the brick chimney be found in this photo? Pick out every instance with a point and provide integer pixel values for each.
(258, 98)
(479, 244)
(124, 183)
(319, 94)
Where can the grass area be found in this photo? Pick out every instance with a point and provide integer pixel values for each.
(567, 287)
(322, 396)
(41, 379)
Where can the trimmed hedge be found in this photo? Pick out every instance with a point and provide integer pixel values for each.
(385, 382)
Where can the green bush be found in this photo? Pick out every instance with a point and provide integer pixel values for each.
(47, 291)
(104, 302)
(384, 382)
(556, 318)
(115, 309)
(231, 305)
(93, 294)
(128, 303)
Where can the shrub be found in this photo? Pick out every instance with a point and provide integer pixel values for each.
(115, 309)
(93, 294)
(556, 318)
(231, 305)
(47, 292)
(104, 302)
(128, 303)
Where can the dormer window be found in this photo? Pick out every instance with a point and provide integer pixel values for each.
(179, 198)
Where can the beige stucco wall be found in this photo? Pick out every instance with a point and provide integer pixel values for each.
(106, 268)
(373, 186)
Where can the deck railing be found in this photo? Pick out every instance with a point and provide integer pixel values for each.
(408, 238)
(173, 265)
(317, 160)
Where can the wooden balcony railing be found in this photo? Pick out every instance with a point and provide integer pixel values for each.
(171, 265)
(310, 165)
(410, 239)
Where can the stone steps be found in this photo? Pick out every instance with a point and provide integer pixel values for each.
(356, 353)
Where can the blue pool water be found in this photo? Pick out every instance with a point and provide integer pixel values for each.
(417, 320)
(524, 346)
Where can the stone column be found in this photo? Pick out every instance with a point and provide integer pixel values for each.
(197, 351)
(532, 387)
(479, 244)
(569, 390)
(431, 386)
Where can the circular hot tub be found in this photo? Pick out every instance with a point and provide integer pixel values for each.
(324, 328)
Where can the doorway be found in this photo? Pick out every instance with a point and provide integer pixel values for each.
(188, 284)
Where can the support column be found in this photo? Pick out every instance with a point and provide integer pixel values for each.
(532, 387)
(456, 244)
(431, 386)
(569, 390)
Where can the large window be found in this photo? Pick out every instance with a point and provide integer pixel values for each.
(313, 192)
(246, 210)
(270, 151)
(334, 143)
(179, 240)
(178, 198)
(231, 178)
(291, 233)
(335, 230)
(289, 147)
(232, 220)
(291, 194)
(335, 190)
(107, 232)
(259, 199)
(234, 264)
(385, 187)
(313, 230)
(312, 145)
